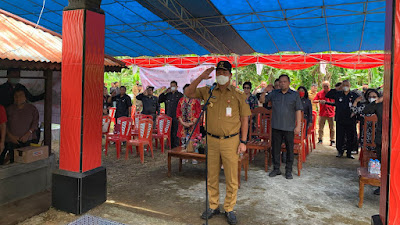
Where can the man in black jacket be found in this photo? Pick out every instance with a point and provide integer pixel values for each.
(171, 97)
(150, 103)
(345, 124)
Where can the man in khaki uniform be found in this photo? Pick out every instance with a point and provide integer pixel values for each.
(227, 121)
(311, 95)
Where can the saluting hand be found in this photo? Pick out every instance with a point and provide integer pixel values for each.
(206, 74)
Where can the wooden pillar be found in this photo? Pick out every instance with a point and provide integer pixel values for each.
(48, 100)
(81, 182)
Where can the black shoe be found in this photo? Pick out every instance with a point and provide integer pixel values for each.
(333, 144)
(210, 213)
(350, 156)
(231, 217)
(377, 191)
(274, 173)
(289, 176)
(339, 155)
(320, 142)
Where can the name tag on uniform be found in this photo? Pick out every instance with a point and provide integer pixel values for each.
(228, 111)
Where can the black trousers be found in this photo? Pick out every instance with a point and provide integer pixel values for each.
(277, 136)
(9, 147)
(174, 131)
(345, 134)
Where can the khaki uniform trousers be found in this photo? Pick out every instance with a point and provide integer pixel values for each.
(321, 125)
(225, 149)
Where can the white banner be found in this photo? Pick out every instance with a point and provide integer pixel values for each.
(162, 76)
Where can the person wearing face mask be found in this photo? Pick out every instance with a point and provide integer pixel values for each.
(375, 106)
(357, 109)
(188, 112)
(7, 89)
(23, 119)
(171, 97)
(345, 123)
(307, 107)
(227, 128)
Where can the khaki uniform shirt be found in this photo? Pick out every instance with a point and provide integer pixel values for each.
(311, 96)
(218, 122)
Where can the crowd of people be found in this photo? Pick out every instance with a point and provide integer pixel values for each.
(19, 120)
(228, 124)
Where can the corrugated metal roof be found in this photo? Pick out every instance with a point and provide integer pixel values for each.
(24, 41)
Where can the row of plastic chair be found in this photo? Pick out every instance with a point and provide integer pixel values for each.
(143, 129)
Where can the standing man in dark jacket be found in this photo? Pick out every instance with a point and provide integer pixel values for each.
(150, 103)
(171, 97)
(124, 104)
(286, 111)
(7, 89)
(345, 124)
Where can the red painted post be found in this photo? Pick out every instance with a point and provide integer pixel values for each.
(389, 211)
(80, 184)
(81, 91)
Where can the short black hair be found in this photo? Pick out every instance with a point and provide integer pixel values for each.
(123, 87)
(284, 75)
(338, 84)
(174, 82)
(305, 91)
(276, 80)
(186, 85)
(247, 83)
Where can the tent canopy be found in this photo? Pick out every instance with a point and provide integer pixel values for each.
(176, 27)
(289, 62)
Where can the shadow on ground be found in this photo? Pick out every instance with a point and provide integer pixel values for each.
(325, 193)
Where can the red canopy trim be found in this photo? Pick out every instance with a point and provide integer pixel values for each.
(288, 62)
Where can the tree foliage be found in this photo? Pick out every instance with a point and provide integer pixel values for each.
(306, 77)
(309, 76)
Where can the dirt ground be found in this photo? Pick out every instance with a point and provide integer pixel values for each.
(325, 193)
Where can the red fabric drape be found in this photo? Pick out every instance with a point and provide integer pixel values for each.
(288, 62)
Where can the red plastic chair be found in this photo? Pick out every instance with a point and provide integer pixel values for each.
(311, 133)
(138, 117)
(106, 124)
(144, 138)
(112, 113)
(125, 134)
(164, 124)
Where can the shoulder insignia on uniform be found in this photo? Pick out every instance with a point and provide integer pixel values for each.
(239, 91)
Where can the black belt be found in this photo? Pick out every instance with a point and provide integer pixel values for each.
(222, 137)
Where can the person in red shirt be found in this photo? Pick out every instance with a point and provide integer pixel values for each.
(3, 122)
(326, 113)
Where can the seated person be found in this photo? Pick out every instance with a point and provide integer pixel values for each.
(23, 119)
(3, 124)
